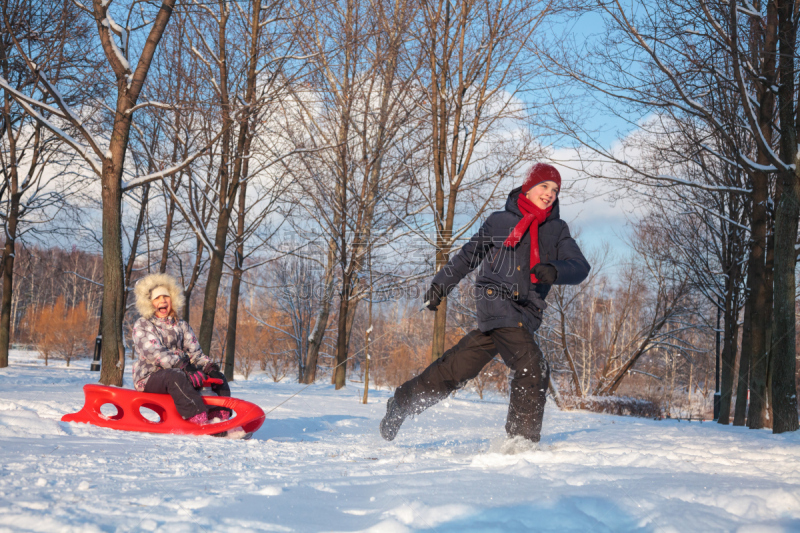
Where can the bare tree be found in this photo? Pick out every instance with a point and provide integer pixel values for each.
(564, 299)
(784, 329)
(291, 281)
(36, 182)
(245, 64)
(477, 71)
(665, 306)
(361, 103)
(116, 43)
(720, 64)
(707, 230)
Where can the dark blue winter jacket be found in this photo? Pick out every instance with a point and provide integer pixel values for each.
(505, 296)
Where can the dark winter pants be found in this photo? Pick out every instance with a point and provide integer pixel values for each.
(464, 361)
(188, 400)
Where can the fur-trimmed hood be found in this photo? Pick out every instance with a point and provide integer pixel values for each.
(144, 287)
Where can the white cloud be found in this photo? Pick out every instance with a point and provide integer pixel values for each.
(591, 207)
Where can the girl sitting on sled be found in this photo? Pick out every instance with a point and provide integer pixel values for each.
(168, 356)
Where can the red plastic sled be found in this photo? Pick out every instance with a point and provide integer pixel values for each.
(129, 417)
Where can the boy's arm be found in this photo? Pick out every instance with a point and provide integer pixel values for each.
(466, 259)
(571, 265)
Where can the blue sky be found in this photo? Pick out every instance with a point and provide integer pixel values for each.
(589, 210)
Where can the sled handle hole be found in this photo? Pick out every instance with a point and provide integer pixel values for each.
(111, 411)
(152, 413)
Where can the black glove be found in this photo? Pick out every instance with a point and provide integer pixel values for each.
(210, 367)
(545, 273)
(434, 296)
(196, 377)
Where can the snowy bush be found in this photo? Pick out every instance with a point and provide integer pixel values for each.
(615, 405)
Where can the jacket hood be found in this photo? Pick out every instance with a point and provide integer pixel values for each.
(511, 205)
(146, 285)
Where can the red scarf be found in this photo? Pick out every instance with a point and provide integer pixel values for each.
(532, 219)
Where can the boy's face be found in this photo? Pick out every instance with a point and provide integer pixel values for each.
(543, 195)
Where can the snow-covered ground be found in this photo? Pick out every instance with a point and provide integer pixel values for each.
(318, 464)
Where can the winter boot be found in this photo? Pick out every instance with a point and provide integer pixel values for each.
(219, 414)
(199, 418)
(391, 423)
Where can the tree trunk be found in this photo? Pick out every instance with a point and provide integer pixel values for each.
(756, 272)
(12, 186)
(213, 282)
(241, 171)
(309, 374)
(553, 388)
(576, 380)
(225, 181)
(759, 367)
(229, 181)
(136, 234)
(236, 283)
(352, 308)
(439, 70)
(9, 253)
(768, 283)
(367, 340)
(129, 86)
(784, 363)
(740, 413)
(440, 315)
(343, 336)
(439, 330)
(784, 366)
(233, 315)
(339, 376)
(189, 289)
(113, 354)
(162, 267)
(757, 300)
(12, 335)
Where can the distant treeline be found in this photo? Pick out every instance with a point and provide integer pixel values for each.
(43, 275)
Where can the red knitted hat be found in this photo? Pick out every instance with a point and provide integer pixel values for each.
(538, 173)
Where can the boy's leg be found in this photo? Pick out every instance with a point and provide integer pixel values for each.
(188, 401)
(451, 371)
(531, 375)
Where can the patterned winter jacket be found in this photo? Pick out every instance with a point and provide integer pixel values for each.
(163, 343)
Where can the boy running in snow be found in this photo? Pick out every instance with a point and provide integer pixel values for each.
(168, 356)
(511, 287)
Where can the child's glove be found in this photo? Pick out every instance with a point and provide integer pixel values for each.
(196, 377)
(210, 367)
(545, 273)
(434, 296)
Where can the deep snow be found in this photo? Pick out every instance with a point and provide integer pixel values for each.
(318, 464)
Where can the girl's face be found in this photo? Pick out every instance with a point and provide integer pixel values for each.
(543, 195)
(163, 305)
